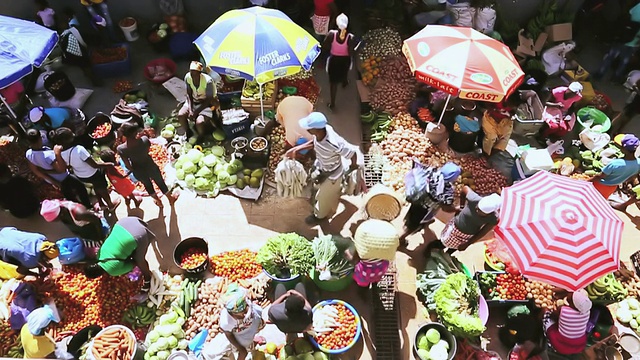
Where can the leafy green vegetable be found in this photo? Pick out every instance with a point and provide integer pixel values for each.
(457, 305)
(329, 258)
(285, 255)
(202, 184)
(194, 156)
(439, 266)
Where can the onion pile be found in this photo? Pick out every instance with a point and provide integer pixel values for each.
(404, 121)
(206, 311)
(393, 96)
(542, 293)
(400, 147)
(486, 179)
(380, 43)
(277, 140)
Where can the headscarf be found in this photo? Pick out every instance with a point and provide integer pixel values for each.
(196, 65)
(581, 301)
(449, 172)
(50, 210)
(342, 21)
(628, 142)
(39, 319)
(576, 87)
(235, 299)
(490, 204)
(49, 249)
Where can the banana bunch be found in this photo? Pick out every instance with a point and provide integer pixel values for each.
(139, 316)
(291, 178)
(606, 288)
(16, 350)
(251, 90)
(380, 124)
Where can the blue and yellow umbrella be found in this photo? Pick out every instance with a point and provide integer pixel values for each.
(257, 44)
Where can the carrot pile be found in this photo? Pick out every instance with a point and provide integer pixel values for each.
(236, 265)
(113, 344)
(425, 115)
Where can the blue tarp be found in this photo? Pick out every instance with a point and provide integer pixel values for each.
(23, 45)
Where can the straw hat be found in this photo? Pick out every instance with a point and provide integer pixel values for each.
(376, 239)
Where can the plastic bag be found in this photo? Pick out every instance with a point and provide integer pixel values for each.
(484, 20)
(71, 250)
(24, 302)
(594, 140)
(416, 182)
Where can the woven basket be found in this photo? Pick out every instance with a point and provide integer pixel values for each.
(381, 203)
(376, 239)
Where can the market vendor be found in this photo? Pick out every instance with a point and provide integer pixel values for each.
(50, 118)
(330, 149)
(123, 250)
(497, 124)
(201, 105)
(477, 217)
(240, 321)
(288, 114)
(618, 170)
(463, 134)
(76, 217)
(25, 251)
(291, 312)
(566, 328)
(560, 117)
(440, 195)
(35, 343)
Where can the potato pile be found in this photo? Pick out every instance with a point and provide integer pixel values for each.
(396, 68)
(381, 43)
(629, 280)
(277, 139)
(486, 180)
(542, 293)
(399, 148)
(404, 121)
(393, 96)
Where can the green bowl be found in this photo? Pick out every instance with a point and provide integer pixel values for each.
(290, 90)
(331, 285)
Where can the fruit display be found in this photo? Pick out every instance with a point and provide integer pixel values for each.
(108, 55)
(101, 131)
(306, 87)
(139, 316)
(251, 90)
(393, 95)
(370, 69)
(100, 301)
(432, 346)
(379, 123)
(629, 279)
(498, 257)
(502, 286)
(122, 86)
(113, 343)
(236, 265)
(606, 288)
(335, 326)
(486, 180)
(628, 313)
(192, 258)
(542, 294)
(381, 43)
(286, 255)
(10, 346)
(457, 306)
(135, 97)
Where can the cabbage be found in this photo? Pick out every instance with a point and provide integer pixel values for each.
(173, 342)
(189, 167)
(190, 179)
(202, 183)
(217, 150)
(153, 336)
(232, 179)
(183, 344)
(180, 321)
(204, 172)
(218, 168)
(162, 343)
(154, 357)
(209, 160)
(180, 334)
(165, 319)
(231, 169)
(180, 174)
(223, 176)
(163, 355)
(238, 164)
(181, 160)
(194, 155)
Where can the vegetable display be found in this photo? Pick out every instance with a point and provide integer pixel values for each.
(606, 288)
(393, 96)
(286, 255)
(504, 286)
(306, 87)
(498, 257)
(335, 326)
(438, 267)
(236, 265)
(370, 69)
(379, 123)
(486, 179)
(542, 293)
(629, 279)
(380, 43)
(108, 55)
(101, 131)
(628, 313)
(192, 258)
(113, 343)
(277, 141)
(139, 316)
(11, 345)
(329, 261)
(425, 115)
(432, 346)
(457, 305)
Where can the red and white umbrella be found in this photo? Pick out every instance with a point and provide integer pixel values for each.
(559, 230)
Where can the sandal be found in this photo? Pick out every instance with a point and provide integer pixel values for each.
(114, 205)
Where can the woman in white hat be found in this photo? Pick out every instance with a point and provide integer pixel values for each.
(340, 45)
(478, 216)
(566, 328)
(50, 118)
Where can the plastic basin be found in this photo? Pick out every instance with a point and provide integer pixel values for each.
(358, 328)
(289, 283)
(331, 285)
(444, 334)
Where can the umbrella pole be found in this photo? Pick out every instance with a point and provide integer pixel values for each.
(261, 106)
(444, 109)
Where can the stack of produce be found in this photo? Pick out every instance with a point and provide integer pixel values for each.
(606, 288)
(236, 265)
(502, 286)
(301, 349)
(108, 55)
(404, 121)
(439, 266)
(101, 301)
(486, 180)
(580, 176)
(628, 313)
(425, 115)
(381, 43)
(431, 346)
(379, 123)
(330, 262)
(286, 255)
(542, 293)
(12, 154)
(498, 257)
(277, 139)
(10, 345)
(251, 90)
(122, 86)
(133, 98)
(629, 280)
(167, 335)
(139, 316)
(393, 95)
(192, 258)
(306, 87)
(457, 306)
(335, 326)
(114, 343)
(370, 69)
(592, 162)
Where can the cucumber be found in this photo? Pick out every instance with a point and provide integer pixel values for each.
(178, 310)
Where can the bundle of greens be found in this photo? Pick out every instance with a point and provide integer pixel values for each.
(286, 255)
(457, 306)
(330, 261)
(439, 266)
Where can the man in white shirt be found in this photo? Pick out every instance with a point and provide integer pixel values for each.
(330, 149)
(201, 102)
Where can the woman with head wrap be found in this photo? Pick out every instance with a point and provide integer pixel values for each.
(340, 44)
(438, 194)
(27, 251)
(37, 344)
(618, 171)
(80, 220)
(568, 335)
(473, 222)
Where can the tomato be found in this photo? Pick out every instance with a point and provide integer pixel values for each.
(192, 258)
(235, 265)
(341, 336)
(101, 131)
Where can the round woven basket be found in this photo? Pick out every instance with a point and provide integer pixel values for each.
(376, 239)
(382, 204)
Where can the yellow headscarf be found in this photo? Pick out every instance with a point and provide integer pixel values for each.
(49, 249)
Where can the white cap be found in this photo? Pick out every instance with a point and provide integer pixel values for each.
(342, 21)
(36, 113)
(576, 87)
(490, 204)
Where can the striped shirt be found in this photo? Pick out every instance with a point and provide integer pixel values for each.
(330, 151)
(571, 323)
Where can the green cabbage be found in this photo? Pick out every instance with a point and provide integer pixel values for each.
(202, 184)
(194, 155)
(238, 164)
(204, 172)
(189, 167)
(190, 179)
(285, 255)
(232, 179)
(457, 305)
(180, 174)
(218, 168)
(223, 177)
(217, 150)
(210, 160)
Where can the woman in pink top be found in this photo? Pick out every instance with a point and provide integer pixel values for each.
(565, 96)
(340, 46)
(559, 115)
(568, 335)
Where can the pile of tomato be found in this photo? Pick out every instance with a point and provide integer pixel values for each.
(343, 335)
(83, 301)
(101, 131)
(236, 265)
(511, 287)
(192, 258)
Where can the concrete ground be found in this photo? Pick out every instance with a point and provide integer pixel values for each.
(230, 223)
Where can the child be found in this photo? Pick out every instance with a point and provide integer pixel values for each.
(46, 15)
(121, 183)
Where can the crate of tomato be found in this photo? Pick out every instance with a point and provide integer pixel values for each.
(112, 61)
(502, 288)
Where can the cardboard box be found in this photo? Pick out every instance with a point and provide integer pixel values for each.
(560, 32)
(527, 46)
(579, 74)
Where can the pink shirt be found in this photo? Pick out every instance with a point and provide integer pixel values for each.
(571, 323)
(338, 48)
(558, 95)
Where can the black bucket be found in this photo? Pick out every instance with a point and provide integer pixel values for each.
(96, 121)
(183, 246)
(59, 86)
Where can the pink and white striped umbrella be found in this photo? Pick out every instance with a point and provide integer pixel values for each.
(559, 230)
